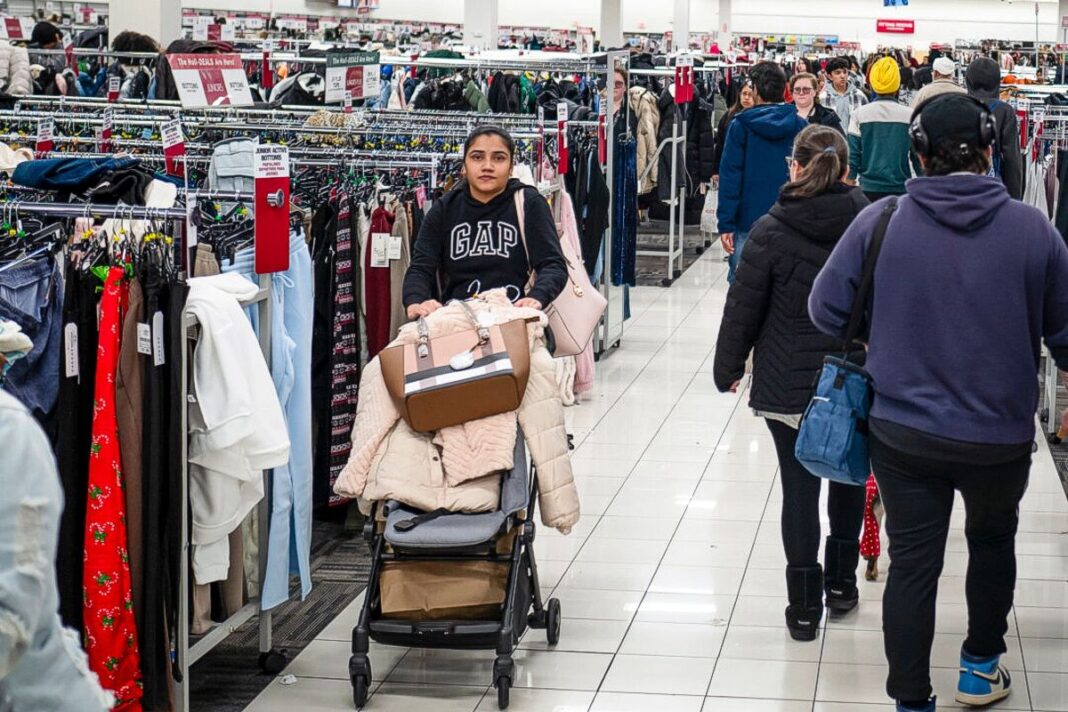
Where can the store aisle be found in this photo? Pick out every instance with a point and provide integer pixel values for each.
(672, 584)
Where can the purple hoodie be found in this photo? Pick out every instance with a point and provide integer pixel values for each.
(967, 284)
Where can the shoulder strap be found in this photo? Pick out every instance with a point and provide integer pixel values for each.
(867, 280)
(520, 211)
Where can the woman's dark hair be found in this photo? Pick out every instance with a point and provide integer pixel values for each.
(490, 130)
(769, 81)
(130, 41)
(737, 108)
(949, 156)
(823, 153)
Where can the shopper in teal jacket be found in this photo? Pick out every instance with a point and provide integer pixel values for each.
(880, 150)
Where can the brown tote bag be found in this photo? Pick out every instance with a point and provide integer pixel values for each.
(454, 379)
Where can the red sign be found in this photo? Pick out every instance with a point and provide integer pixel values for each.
(896, 27)
(271, 247)
(561, 139)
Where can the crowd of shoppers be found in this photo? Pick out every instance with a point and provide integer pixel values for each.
(951, 339)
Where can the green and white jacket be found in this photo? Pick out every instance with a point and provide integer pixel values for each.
(880, 150)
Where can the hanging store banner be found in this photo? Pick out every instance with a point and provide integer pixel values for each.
(210, 80)
(562, 158)
(684, 79)
(173, 146)
(15, 28)
(272, 208)
(114, 89)
(355, 72)
(214, 33)
(896, 27)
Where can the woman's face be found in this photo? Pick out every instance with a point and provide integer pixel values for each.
(804, 93)
(747, 97)
(487, 165)
(619, 89)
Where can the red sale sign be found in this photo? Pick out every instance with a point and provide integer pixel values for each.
(271, 249)
(896, 27)
(210, 80)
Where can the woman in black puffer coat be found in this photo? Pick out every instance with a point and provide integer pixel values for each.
(767, 311)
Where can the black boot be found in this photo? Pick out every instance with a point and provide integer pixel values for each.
(804, 585)
(840, 559)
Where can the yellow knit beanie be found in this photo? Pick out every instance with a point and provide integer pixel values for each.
(885, 77)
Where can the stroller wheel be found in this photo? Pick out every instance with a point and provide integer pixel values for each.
(504, 685)
(273, 662)
(553, 621)
(359, 691)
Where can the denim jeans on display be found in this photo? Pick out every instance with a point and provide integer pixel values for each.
(292, 313)
(736, 259)
(31, 295)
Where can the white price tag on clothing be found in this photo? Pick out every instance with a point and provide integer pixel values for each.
(46, 129)
(158, 347)
(395, 246)
(144, 339)
(70, 341)
(380, 249)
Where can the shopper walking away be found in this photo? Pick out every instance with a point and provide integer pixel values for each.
(879, 149)
(753, 168)
(471, 240)
(983, 79)
(804, 88)
(765, 314)
(953, 351)
(944, 73)
(844, 92)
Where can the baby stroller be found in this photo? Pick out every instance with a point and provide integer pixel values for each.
(398, 533)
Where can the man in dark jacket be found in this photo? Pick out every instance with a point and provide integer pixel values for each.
(953, 351)
(753, 168)
(983, 80)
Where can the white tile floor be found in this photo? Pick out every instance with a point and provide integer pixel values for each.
(672, 583)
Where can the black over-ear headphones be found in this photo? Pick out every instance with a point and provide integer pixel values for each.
(921, 143)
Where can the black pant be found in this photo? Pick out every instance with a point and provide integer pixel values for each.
(918, 493)
(801, 503)
(873, 196)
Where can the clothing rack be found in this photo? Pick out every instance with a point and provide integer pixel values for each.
(184, 653)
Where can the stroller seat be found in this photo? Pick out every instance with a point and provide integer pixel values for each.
(410, 528)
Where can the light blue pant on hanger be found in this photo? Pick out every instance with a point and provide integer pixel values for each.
(292, 307)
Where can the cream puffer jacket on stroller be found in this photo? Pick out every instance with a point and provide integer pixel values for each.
(458, 468)
(15, 78)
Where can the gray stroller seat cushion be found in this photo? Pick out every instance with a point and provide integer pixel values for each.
(461, 529)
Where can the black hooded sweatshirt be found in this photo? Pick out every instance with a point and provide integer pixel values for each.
(465, 247)
(984, 83)
(767, 306)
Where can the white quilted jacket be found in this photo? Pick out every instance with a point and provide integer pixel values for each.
(390, 461)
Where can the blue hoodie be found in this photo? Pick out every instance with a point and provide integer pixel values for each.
(754, 163)
(967, 285)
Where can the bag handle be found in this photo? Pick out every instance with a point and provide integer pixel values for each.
(867, 280)
(520, 210)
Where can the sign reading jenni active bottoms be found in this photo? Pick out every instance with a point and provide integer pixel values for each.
(355, 72)
(210, 80)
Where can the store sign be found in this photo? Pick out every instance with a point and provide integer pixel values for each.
(45, 135)
(173, 146)
(210, 80)
(563, 158)
(684, 79)
(355, 72)
(896, 27)
(214, 33)
(272, 208)
(14, 28)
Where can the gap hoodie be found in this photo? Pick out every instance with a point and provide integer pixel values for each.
(753, 167)
(967, 285)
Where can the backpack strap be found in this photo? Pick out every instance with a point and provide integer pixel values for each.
(867, 280)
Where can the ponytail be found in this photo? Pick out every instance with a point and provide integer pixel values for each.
(824, 155)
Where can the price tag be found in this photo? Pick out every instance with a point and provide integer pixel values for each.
(561, 139)
(210, 80)
(45, 134)
(70, 342)
(159, 348)
(396, 245)
(355, 72)
(173, 146)
(272, 208)
(144, 339)
(380, 249)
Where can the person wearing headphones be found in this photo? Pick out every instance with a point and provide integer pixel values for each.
(954, 328)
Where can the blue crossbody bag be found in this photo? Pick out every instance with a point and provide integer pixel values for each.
(833, 439)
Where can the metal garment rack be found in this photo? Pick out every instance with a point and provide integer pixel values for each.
(184, 653)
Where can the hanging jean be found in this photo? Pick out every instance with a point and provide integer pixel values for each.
(625, 214)
(31, 295)
(292, 313)
(110, 629)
